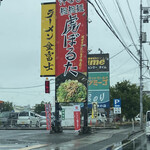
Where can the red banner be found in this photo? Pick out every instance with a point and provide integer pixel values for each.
(71, 33)
(48, 115)
(71, 51)
(77, 117)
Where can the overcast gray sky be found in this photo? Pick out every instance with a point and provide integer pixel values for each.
(20, 41)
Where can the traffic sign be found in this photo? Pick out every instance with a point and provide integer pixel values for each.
(117, 102)
(117, 106)
(117, 110)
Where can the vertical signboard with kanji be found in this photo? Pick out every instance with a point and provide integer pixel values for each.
(71, 51)
(48, 27)
(77, 117)
(98, 80)
(48, 115)
(47, 86)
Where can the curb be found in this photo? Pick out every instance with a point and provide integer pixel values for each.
(64, 128)
(134, 133)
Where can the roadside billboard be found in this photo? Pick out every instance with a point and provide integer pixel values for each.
(98, 62)
(101, 97)
(48, 37)
(98, 80)
(71, 51)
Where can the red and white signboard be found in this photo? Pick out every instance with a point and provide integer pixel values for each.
(48, 115)
(77, 117)
(71, 43)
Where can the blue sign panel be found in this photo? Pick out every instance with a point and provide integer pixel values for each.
(101, 97)
(100, 105)
(117, 102)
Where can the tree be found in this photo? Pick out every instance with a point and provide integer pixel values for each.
(129, 95)
(40, 107)
(6, 106)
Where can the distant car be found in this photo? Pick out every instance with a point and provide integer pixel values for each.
(43, 118)
(28, 119)
(13, 117)
(8, 118)
(101, 118)
(4, 118)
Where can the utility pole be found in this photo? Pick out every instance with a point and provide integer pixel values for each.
(141, 78)
(144, 18)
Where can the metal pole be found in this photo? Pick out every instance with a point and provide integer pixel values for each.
(141, 85)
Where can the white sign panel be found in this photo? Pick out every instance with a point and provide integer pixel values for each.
(77, 108)
(117, 110)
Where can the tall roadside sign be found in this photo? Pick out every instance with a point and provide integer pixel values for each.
(48, 37)
(71, 51)
(98, 80)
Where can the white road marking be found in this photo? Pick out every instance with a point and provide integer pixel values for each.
(129, 141)
(34, 146)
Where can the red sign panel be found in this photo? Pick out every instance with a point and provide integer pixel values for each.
(71, 43)
(47, 86)
(48, 115)
(77, 117)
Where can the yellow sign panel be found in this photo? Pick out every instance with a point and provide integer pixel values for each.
(48, 36)
(94, 110)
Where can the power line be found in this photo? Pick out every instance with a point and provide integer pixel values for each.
(130, 70)
(28, 87)
(124, 45)
(110, 19)
(127, 28)
(133, 18)
(119, 52)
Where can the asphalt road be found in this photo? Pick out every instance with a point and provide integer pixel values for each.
(18, 139)
(68, 140)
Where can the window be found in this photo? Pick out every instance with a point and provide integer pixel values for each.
(24, 114)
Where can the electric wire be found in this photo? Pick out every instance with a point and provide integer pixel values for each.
(133, 18)
(122, 42)
(127, 28)
(28, 87)
(110, 19)
(123, 20)
(127, 49)
(119, 52)
(115, 26)
(103, 15)
(127, 71)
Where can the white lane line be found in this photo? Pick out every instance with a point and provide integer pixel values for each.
(117, 148)
(129, 141)
(34, 146)
(7, 146)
